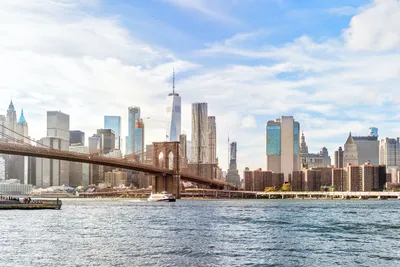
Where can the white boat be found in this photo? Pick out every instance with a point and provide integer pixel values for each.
(163, 196)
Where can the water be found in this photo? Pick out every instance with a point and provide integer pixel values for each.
(203, 233)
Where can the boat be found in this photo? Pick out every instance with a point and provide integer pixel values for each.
(163, 196)
(29, 204)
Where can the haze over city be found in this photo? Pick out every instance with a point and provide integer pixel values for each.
(328, 64)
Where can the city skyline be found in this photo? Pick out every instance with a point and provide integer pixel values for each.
(294, 71)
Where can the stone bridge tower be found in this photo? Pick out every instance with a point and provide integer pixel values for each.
(166, 155)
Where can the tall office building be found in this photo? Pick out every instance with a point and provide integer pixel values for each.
(2, 129)
(212, 140)
(22, 130)
(76, 138)
(339, 158)
(389, 152)
(107, 140)
(174, 114)
(78, 172)
(51, 172)
(114, 123)
(183, 147)
(58, 125)
(11, 122)
(135, 140)
(282, 146)
(313, 160)
(199, 140)
(367, 149)
(233, 173)
(350, 154)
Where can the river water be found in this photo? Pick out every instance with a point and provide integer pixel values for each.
(95, 232)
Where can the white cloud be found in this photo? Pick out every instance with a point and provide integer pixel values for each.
(57, 57)
(377, 27)
(249, 122)
(343, 11)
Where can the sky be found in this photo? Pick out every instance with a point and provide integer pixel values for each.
(334, 65)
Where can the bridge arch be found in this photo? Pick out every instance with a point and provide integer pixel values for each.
(171, 155)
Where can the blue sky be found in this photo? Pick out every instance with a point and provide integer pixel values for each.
(333, 65)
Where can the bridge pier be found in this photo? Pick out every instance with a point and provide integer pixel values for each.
(168, 183)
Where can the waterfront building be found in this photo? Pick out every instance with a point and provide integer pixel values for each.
(325, 177)
(370, 177)
(354, 178)
(282, 145)
(297, 181)
(95, 144)
(277, 180)
(13, 187)
(339, 179)
(135, 140)
(350, 154)
(76, 137)
(78, 172)
(248, 179)
(116, 178)
(199, 143)
(339, 158)
(114, 123)
(174, 114)
(312, 179)
(233, 173)
(212, 140)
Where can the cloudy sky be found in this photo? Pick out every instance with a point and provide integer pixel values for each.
(334, 65)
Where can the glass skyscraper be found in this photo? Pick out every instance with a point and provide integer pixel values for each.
(135, 142)
(200, 149)
(174, 116)
(114, 123)
(282, 146)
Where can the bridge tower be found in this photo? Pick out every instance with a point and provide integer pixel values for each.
(166, 155)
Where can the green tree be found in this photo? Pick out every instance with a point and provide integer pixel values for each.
(270, 189)
(286, 187)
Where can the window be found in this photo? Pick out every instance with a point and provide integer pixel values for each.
(273, 140)
(296, 139)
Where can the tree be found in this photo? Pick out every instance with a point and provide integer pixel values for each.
(270, 189)
(286, 187)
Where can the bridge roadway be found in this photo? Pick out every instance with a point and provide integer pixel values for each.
(49, 153)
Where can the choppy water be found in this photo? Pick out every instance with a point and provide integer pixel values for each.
(203, 233)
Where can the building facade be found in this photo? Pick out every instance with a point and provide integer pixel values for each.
(350, 154)
(58, 125)
(76, 137)
(283, 145)
(199, 143)
(233, 176)
(114, 123)
(339, 158)
(107, 140)
(135, 140)
(212, 140)
(367, 149)
(78, 172)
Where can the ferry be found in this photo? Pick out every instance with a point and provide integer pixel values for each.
(163, 196)
(29, 204)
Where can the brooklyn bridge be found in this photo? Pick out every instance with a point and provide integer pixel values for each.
(166, 169)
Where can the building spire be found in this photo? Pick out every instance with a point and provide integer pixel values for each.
(173, 81)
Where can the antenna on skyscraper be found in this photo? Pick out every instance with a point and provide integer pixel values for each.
(173, 81)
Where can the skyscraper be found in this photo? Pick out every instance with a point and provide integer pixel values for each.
(11, 122)
(51, 172)
(212, 140)
(350, 154)
(58, 125)
(76, 138)
(174, 114)
(233, 173)
(367, 149)
(22, 129)
(135, 140)
(114, 123)
(199, 140)
(282, 145)
(339, 158)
